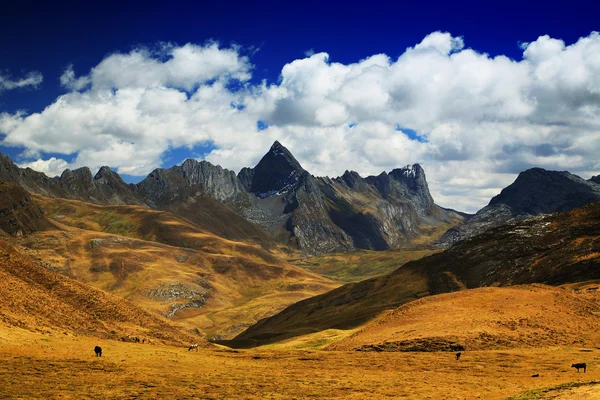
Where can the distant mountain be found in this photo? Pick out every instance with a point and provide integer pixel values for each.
(552, 249)
(320, 214)
(536, 191)
(276, 200)
(595, 179)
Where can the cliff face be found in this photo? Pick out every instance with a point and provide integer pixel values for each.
(164, 186)
(536, 191)
(277, 197)
(106, 187)
(19, 214)
(325, 215)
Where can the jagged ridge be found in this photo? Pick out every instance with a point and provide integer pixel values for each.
(536, 191)
(314, 214)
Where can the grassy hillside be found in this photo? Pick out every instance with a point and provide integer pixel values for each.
(555, 249)
(486, 318)
(169, 264)
(39, 300)
(360, 264)
(200, 214)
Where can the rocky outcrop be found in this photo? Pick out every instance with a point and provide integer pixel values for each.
(325, 215)
(276, 173)
(19, 214)
(164, 186)
(113, 189)
(106, 187)
(536, 191)
(595, 179)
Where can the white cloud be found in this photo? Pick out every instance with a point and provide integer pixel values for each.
(33, 79)
(485, 118)
(68, 80)
(443, 42)
(51, 167)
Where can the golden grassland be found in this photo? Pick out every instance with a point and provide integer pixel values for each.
(131, 250)
(523, 316)
(53, 365)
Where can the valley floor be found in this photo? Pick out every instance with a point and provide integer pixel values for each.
(34, 365)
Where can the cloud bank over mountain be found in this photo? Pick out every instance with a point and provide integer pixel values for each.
(473, 121)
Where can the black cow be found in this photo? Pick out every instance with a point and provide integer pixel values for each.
(579, 365)
(458, 355)
(98, 351)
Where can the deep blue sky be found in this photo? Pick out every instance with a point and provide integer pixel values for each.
(47, 38)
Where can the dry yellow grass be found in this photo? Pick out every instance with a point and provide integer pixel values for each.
(487, 318)
(131, 251)
(54, 366)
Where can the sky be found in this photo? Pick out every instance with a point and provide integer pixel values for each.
(474, 94)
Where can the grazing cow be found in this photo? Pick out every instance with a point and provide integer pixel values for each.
(193, 346)
(98, 351)
(458, 355)
(535, 375)
(579, 365)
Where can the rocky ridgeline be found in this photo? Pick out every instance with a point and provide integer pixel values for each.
(315, 214)
(536, 191)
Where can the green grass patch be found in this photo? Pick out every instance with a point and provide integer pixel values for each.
(360, 265)
(539, 393)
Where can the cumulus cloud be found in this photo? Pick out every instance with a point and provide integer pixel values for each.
(68, 80)
(32, 79)
(482, 118)
(51, 167)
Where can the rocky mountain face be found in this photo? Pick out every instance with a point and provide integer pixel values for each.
(536, 191)
(551, 249)
(164, 186)
(106, 187)
(595, 179)
(315, 214)
(19, 214)
(320, 214)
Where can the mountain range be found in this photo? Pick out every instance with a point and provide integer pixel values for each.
(277, 201)
(536, 191)
(217, 251)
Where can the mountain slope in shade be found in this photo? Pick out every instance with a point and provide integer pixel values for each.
(552, 249)
(529, 316)
(535, 191)
(19, 214)
(276, 172)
